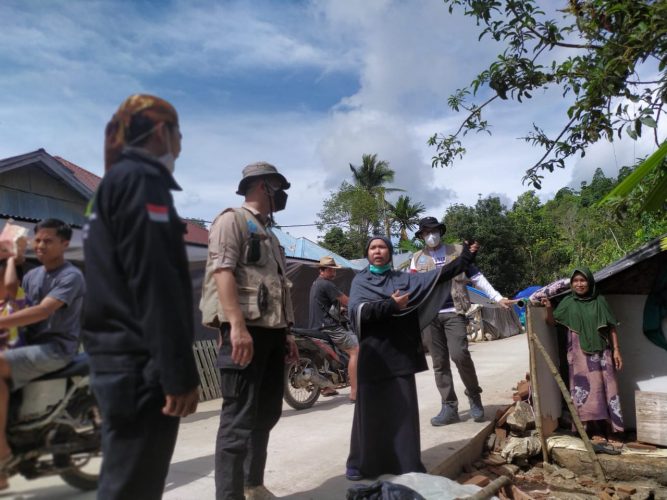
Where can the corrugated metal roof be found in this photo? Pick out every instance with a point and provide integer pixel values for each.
(305, 249)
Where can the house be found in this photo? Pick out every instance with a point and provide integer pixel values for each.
(37, 185)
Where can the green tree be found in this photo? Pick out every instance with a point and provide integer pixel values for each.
(538, 243)
(340, 242)
(355, 211)
(405, 215)
(373, 175)
(500, 258)
(597, 55)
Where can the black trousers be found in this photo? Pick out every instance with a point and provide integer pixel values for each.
(449, 339)
(251, 406)
(137, 441)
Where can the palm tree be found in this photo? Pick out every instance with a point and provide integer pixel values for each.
(371, 176)
(405, 214)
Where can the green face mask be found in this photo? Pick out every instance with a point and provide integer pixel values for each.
(379, 269)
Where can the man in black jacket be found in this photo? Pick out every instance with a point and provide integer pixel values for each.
(138, 317)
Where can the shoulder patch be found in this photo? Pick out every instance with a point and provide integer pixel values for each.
(157, 213)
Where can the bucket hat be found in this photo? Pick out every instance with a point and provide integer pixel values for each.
(260, 169)
(429, 223)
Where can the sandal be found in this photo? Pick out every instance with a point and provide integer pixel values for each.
(328, 391)
(605, 448)
(6, 462)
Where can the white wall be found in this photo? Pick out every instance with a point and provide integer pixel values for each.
(644, 363)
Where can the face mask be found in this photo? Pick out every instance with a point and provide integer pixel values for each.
(168, 159)
(278, 196)
(279, 200)
(432, 240)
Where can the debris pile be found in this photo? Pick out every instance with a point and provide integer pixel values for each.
(514, 450)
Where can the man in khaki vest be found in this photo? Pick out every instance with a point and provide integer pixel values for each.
(448, 330)
(246, 297)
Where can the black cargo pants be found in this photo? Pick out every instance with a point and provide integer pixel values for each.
(251, 406)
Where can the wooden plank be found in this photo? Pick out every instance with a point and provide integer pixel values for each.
(212, 356)
(206, 364)
(210, 382)
(651, 411)
(200, 372)
(201, 368)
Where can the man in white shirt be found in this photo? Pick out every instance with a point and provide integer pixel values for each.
(448, 331)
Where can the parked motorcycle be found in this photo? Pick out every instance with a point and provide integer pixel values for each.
(321, 364)
(54, 428)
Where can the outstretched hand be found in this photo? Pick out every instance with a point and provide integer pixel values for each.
(401, 300)
(472, 246)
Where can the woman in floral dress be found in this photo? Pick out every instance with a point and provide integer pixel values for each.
(593, 354)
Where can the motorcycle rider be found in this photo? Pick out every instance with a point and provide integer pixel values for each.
(323, 295)
(56, 290)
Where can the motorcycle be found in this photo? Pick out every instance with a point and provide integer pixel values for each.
(54, 428)
(321, 364)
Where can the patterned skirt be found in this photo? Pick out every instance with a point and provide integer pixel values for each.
(593, 384)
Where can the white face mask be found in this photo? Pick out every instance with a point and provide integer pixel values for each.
(432, 240)
(168, 159)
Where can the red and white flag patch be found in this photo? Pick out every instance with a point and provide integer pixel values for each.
(157, 213)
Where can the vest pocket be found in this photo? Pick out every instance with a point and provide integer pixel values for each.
(249, 302)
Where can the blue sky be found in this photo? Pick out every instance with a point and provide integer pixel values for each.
(308, 85)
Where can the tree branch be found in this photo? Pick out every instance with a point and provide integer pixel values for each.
(553, 145)
(473, 113)
(549, 42)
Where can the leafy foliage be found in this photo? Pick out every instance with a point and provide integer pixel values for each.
(355, 211)
(405, 215)
(596, 55)
(534, 243)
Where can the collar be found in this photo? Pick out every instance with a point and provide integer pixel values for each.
(258, 215)
(152, 161)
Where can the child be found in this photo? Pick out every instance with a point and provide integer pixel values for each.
(12, 297)
(593, 355)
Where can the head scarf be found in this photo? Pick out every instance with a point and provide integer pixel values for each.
(589, 316)
(115, 136)
(426, 294)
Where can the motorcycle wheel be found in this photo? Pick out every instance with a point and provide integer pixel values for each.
(299, 398)
(83, 470)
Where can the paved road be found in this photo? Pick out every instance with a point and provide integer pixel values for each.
(308, 448)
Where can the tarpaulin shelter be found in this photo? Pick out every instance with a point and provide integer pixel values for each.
(488, 319)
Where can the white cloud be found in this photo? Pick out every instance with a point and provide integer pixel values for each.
(70, 63)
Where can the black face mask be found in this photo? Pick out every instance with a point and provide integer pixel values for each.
(279, 200)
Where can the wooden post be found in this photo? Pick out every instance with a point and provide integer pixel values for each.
(534, 386)
(599, 471)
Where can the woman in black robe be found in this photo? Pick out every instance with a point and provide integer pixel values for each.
(388, 310)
